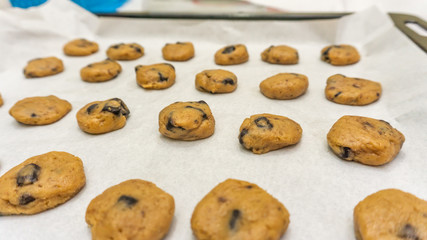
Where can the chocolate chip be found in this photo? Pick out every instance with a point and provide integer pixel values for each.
(128, 200)
(337, 94)
(242, 134)
(33, 115)
(222, 199)
(26, 198)
(200, 110)
(180, 43)
(29, 174)
(378, 94)
(235, 215)
(90, 65)
(346, 151)
(117, 45)
(385, 122)
(228, 81)
(228, 49)
(170, 126)
(121, 110)
(408, 232)
(202, 102)
(249, 186)
(138, 67)
(162, 78)
(325, 54)
(91, 108)
(367, 124)
(355, 86)
(263, 122)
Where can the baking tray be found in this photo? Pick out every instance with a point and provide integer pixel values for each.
(400, 20)
(318, 188)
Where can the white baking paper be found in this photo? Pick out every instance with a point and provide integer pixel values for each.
(319, 189)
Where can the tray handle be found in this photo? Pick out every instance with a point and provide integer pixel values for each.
(400, 20)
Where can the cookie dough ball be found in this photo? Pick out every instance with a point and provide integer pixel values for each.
(262, 133)
(42, 67)
(1, 101)
(187, 121)
(100, 71)
(365, 140)
(281, 54)
(40, 110)
(129, 51)
(179, 51)
(134, 209)
(284, 86)
(391, 214)
(41, 183)
(156, 76)
(352, 91)
(231, 55)
(237, 209)
(340, 55)
(103, 116)
(216, 81)
(80, 47)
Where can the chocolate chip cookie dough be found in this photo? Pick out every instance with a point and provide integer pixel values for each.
(179, 51)
(281, 54)
(100, 71)
(80, 47)
(365, 140)
(391, 214)
(352, 91)
(262, 133)
(134, 209)
(216, 81)
(284, 86)
(340, 55)
(103, 116)
(128, 51)
(231, 55)
(40, 110)
(237, 209)
(40, 183)
(42, 67)
(156, 76)
(187, 121)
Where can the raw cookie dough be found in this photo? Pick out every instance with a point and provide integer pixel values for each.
(241, 210)
(80, 47)
(156, 76)
(42, 67)
(352, 91)
(179, 51)
(340, 55)
(284, 86)
(40, 110)
(187, 121)
(365, 140)
(40, 183)
(262, 133)
(230, 55)
(216, 81)
(280, 55)
(391, 214)
(103, 116)
(129, 51)
(134, 209)
(100, 71)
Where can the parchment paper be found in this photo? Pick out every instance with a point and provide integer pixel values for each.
(319, 189)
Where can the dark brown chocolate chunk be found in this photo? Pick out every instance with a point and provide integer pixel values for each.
(33, 115)
(200, 110)
(408, 232)
(346, 151)
(228, 81)
(263, 122)
(170, 126)
(26, 198)
(235, 215)
(325, 54)
(121, 110)
(337, 94)
(29, 174)
(242, 134)
(117, 45)
(128, 200)
(162, 78)
(91, 108)
(228, 49)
